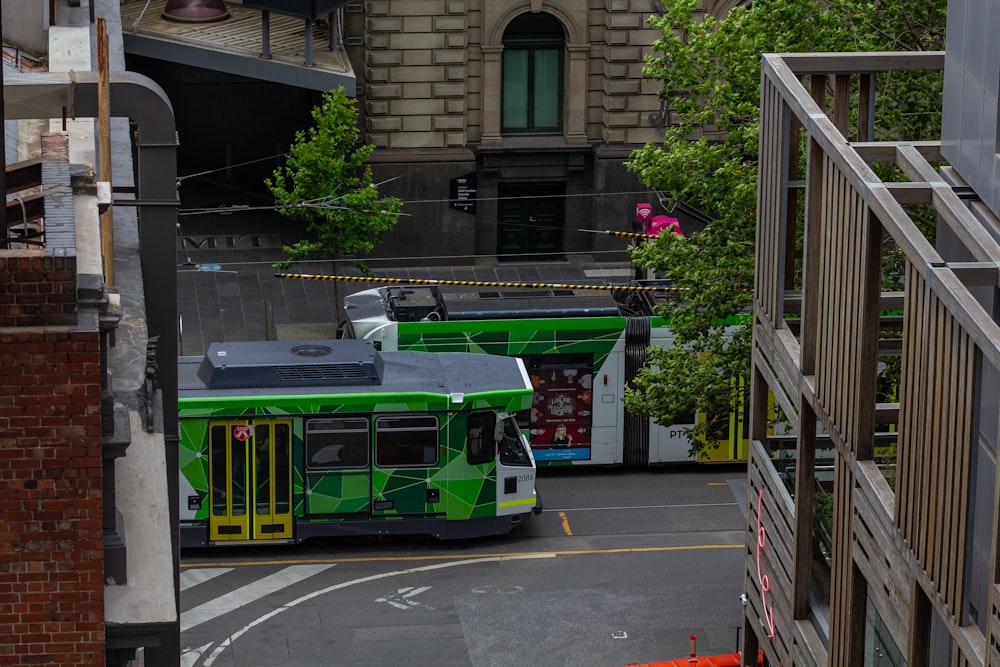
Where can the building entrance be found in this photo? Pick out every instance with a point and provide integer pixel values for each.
(531, 218)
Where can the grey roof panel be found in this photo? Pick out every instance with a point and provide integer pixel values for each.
(244, 368)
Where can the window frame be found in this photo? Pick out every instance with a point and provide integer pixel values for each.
(406, 441)
(308, 433)
(533, 45)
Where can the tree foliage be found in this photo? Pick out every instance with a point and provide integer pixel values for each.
(710, 71)
(326, 183)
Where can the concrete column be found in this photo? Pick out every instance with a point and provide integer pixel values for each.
(492, 94)
(575, 95)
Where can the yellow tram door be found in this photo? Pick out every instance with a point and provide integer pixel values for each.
(272, 476)
(251, 471)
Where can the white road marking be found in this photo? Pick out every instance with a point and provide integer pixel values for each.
(401, 599)
(483, 590)
(200, 575)
(363, 580)
(249, 593)
(638, 507)
(189, 656)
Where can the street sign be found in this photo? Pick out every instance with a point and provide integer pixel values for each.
(463, 193)
(242, 432)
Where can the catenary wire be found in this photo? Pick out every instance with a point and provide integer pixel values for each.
(402, 260)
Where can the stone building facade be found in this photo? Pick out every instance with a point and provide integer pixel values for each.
(503, 124)
(432, 80)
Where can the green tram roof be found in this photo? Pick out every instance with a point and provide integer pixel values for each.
(329, 367)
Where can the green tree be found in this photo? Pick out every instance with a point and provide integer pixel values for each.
(326, 183)
(710, 71)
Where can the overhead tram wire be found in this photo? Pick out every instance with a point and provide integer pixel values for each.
(478, 283)
(246, 207)
(405, 261)
(180, 179)
(319, 202)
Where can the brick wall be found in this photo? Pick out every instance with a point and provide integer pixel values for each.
(51, 548)
(37, 289)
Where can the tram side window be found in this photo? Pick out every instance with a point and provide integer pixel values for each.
(410, 441)
(337, 443)
(718, 428)
(479, 438)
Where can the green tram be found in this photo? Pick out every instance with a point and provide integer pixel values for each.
(284, 441)
(581, 349)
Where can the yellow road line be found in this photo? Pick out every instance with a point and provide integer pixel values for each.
(565, 523)
(513, 554)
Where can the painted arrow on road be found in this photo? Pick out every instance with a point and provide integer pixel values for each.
(403, 598)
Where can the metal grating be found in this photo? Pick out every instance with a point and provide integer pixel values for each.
(321, 372)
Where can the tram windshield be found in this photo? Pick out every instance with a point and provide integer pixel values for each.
(513, 451)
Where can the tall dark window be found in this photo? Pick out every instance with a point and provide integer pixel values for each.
(533, 75)
(480, 434)
(410, 440)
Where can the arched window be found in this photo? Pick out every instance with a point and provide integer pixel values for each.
(532, 75)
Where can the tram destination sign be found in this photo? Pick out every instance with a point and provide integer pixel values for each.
(463, 193)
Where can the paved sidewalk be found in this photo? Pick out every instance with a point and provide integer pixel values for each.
(226, 286)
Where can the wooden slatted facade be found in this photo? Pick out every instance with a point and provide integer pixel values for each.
(901, 537)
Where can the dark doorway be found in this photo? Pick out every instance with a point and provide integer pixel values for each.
(531, 220)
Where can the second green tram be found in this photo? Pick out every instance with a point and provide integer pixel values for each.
(284, 441)
(581, 348)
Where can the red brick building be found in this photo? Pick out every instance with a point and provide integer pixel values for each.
(51, 544)
(88, 553)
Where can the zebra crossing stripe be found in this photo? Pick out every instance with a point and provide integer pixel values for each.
(228, 641)
(191, 578)
(247, 594)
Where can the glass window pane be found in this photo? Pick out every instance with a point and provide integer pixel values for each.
(337, 443)
(515, 89)
(282, 468)
(262, 469)
(406, 441)
(479, 436)
(241, 474)
(220, 484)
(547, 86)
(512, 451)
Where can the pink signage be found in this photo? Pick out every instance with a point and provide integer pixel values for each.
(765, 581)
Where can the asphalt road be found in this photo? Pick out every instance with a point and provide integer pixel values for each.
(620, 567)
